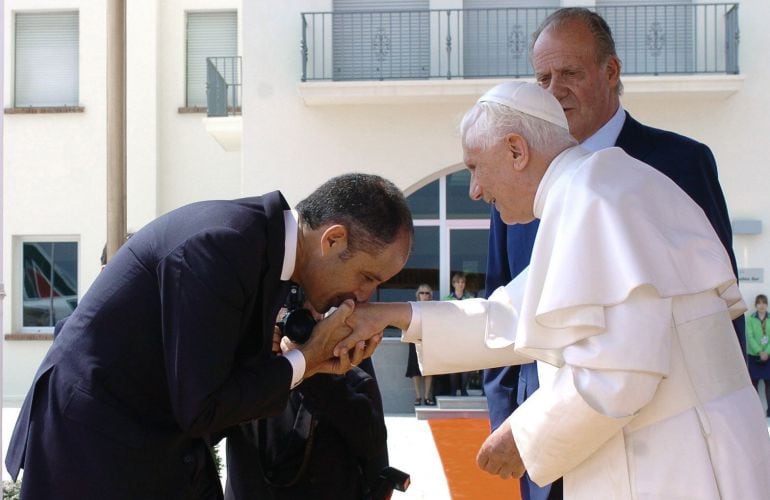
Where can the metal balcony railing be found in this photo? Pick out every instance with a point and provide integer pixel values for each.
(223, 86)
(660, 39)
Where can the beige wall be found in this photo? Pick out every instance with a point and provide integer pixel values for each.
(191, 165)
(50, 162)
(54, 164)
(293, 147)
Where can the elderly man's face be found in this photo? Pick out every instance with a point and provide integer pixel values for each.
(566, 66)
(495, 180)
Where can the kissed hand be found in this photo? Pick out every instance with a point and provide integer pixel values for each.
(369, 320)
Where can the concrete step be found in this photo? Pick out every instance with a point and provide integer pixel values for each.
(461, 402)
(434, 412)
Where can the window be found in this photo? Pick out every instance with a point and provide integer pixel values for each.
(209, 34)
(49, 282)
(654, 36)
(451, 235)
(497, 33)
(46, 59)
(372, 39)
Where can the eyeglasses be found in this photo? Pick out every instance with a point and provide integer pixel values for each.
(424, 293)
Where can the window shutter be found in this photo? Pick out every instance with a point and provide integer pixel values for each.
(373, 39)
(209, 34)
(46, 72)
(496, 42)
(652, 36)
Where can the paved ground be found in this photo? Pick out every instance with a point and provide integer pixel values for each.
(410, 443)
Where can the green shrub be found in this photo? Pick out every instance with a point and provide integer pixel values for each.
(11, 490)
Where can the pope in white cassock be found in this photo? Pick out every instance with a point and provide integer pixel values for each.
(626, 306)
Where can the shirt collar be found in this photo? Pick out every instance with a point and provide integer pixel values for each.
(607, 136)
(290, 253)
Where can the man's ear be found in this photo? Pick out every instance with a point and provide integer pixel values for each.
(613, 71)
(519, 150)
(334, 240)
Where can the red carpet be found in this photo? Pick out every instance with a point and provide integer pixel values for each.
(458, 441)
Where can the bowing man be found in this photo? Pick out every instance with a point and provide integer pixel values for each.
(172, 344)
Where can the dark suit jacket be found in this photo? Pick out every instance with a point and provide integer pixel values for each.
(329, 443)
(171, 343)
(688, 163)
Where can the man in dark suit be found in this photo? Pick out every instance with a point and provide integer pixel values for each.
(172, 344)
(574, 58)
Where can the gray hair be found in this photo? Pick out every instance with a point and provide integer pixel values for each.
(486, 123)
(600, 31)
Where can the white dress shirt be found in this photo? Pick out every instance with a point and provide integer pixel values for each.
(295, 357)
(607, 136)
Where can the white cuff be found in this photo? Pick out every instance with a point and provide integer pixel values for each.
(297, 360)
(413, 334)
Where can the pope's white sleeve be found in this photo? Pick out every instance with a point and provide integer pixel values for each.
(606, 380)
(471, 334)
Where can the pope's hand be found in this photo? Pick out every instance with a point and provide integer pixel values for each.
(369, 320)
(499, 454)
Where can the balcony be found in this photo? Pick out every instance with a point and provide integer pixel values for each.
(455, 54)
(223, 101)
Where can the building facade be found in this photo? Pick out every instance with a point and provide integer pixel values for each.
(333, 86)
(55, 146)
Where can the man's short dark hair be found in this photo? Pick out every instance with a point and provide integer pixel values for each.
(372, 209)
(600, 30)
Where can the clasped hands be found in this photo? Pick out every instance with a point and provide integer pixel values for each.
(340, 341)
(353, 332)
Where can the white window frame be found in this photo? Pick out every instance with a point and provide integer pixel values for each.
(445, 226)
(18, 278)
(186, 41)
(15, 57)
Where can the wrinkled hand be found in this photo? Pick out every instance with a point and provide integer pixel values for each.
(319, 349)
(499, 455)
(368, 322)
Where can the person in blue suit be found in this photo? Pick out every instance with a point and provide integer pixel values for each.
(172, 344)
(574, 58)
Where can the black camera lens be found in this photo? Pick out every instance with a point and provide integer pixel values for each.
(298, 325)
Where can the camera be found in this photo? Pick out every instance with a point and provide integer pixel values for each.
(297, 323)
(390, 479)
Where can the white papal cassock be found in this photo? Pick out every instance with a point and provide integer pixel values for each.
(627, 306)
